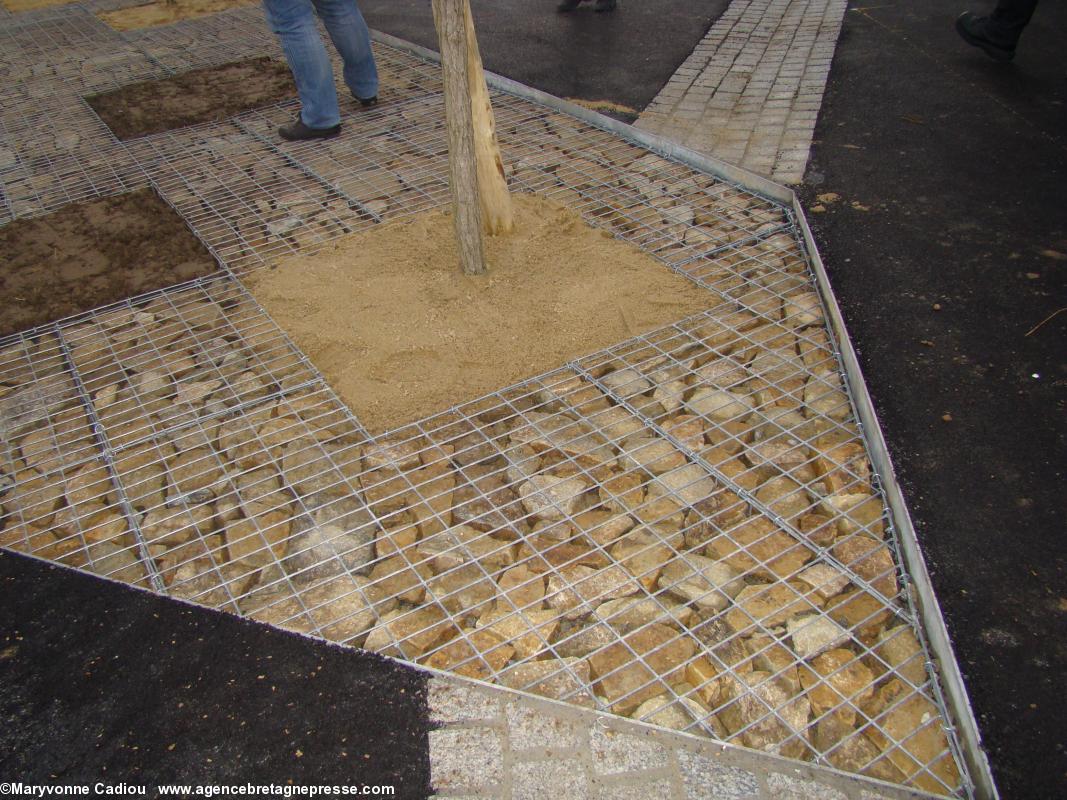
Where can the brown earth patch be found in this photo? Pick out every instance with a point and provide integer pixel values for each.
(149, 15)
(400, 333)
(202, 95)
(91, 254)
(15, 6)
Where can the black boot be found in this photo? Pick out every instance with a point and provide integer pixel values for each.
(568, 5)
(604, 5)
(985, 33)
(298, 131)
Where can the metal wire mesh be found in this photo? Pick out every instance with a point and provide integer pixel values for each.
(206, 41)
(683, 528)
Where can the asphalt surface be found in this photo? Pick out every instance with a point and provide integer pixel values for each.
(947, 251)
(623, 57)
(102, 682)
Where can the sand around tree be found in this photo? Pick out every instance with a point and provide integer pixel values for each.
(400, 333)
(16, 6)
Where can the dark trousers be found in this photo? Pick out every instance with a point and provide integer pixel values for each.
(1009, 18)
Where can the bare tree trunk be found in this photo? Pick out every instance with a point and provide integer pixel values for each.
(497, 215)
(452, 35)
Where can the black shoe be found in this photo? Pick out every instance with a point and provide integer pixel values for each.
(604, 5)
(367, 102)
(298, 131)
(569, 5)
(975, 30)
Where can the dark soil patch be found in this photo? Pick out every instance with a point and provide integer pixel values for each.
(91, 254)
(101, 682)
(203, 95)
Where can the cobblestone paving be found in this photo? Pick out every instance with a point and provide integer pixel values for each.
(492, 743)
(750, 92)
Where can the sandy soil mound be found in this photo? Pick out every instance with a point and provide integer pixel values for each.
(400, 332)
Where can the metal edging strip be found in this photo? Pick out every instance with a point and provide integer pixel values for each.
(933, 621)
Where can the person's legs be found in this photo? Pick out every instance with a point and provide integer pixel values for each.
(1010, 17)
(998, 34)
(294, 24)
(349, 33)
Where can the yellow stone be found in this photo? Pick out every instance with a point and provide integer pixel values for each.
(770, 605)
(761, 548)
(529, 632)
(343, 608)
(91, 483)
(194, 469)
(703, 675)
(911, 731)
(899, 648)
(397, 541)
(524, 589)
(624, 682)
(258, 540)
(643, 555)
(871, 560)
(473, 654)
(394, 577)
(410, 634)
(837, 681)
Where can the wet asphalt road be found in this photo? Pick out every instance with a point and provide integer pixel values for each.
(623, 57)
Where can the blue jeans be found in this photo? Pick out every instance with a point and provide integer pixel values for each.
(294, 24)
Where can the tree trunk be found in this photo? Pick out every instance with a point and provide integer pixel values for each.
(497, 215)
(452, 35)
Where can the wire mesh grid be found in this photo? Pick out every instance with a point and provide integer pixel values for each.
(252, 199)
(684, 528)
(37, 185)
(53, 148)
(677, 529)
(206, 41)
(69, 47)
(245, 198)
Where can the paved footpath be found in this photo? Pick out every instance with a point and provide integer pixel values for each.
(750, 92)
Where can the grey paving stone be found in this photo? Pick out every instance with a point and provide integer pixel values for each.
(537, 780)
(705, 779)
(633, 790)
(771, 55)
(466, 758)
(530, 728)
(789, 788)
(619, 752)
(456, 702)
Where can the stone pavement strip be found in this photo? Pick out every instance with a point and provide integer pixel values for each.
(496, 743)
(750, 92)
